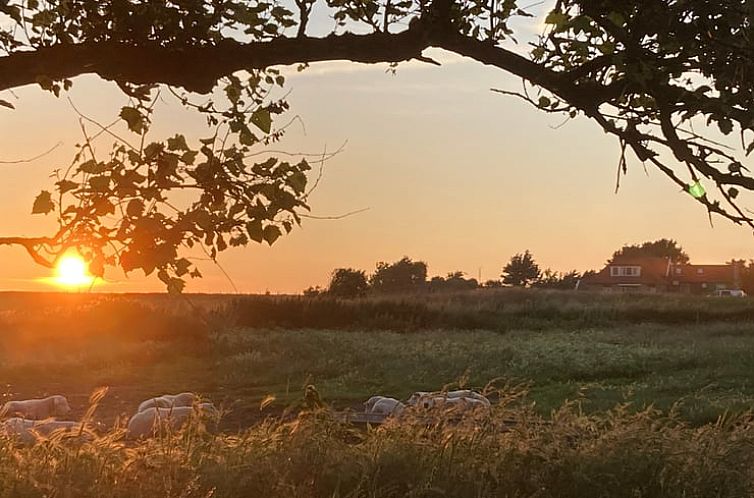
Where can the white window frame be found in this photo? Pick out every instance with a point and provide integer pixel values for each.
(625, 271)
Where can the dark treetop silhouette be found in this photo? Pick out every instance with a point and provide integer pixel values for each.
(649, 72)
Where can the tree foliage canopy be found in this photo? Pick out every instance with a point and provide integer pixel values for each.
(663, 248)
(404, 275)
(348, 283)
(521, 270)
(670, 79)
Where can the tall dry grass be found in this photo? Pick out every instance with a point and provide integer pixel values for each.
(512, 453)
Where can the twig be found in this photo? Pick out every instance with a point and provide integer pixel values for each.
(337, 217)
(32, 159)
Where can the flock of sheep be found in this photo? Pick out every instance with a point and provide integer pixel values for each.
(32, 417)
(458, 401)
(28, 419)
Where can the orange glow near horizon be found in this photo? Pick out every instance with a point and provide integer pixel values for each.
(71, 271)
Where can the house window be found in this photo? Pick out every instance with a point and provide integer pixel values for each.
(625, 271)
(677, 271)
(700, 271)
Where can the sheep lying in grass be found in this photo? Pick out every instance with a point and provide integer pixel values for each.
(469, 394)
(23, 429)
(147, 423)
(460, 404)
(37, 409)
(369, 404)
(384, 406)
(168, 401)
(421, 397)
(414, 398)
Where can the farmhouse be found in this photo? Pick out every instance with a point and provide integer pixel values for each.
(654, 274)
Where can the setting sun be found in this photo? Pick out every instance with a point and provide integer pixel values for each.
(71, 271)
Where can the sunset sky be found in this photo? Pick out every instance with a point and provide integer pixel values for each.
(449, 172)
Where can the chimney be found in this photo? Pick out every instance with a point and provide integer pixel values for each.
(736, 274)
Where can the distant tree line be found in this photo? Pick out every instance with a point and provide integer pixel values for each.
(409, 276)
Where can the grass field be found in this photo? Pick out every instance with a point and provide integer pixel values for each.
(582, 372)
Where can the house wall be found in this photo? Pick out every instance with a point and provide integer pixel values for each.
(628, 289)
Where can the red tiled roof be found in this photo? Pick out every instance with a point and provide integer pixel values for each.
(654, 271)
(702, 273)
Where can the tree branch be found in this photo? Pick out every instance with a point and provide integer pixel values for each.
(31, 245)
(197, 69)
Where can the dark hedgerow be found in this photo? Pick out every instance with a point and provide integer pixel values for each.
(500, 310)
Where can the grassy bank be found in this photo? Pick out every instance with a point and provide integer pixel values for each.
(142, 346)
(707, 368)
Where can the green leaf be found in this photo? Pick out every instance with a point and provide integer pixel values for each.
(696, 190)
(616, 18)
(92, 167)
(182, 267)
(66, 186)
(725, 125)
(262, 120)
(189, 157)
(607, 48)
(246, 137)
(271, 234)
(135, 208)
(233, 91)
(556, 18)
(43, 203)
(298, 181)
(254, 228)
(99, 183)
(178, 142)
(176, 286)
(136, 121)
(239, 240)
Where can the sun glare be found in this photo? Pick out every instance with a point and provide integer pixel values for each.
(72, 271)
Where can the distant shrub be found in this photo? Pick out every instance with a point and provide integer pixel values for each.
(348, 283)
(404, 275)
(454, 282)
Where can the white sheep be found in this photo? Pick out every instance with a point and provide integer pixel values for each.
(24, 429)
(18, 428)
(421, 396)
(37, 409)
(369, 404)
(457, 404)
(469, 394)
(388, 406)
(418, 395)
(148, 422)
(168, 401)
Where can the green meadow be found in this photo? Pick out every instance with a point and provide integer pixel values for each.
(601, 399)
